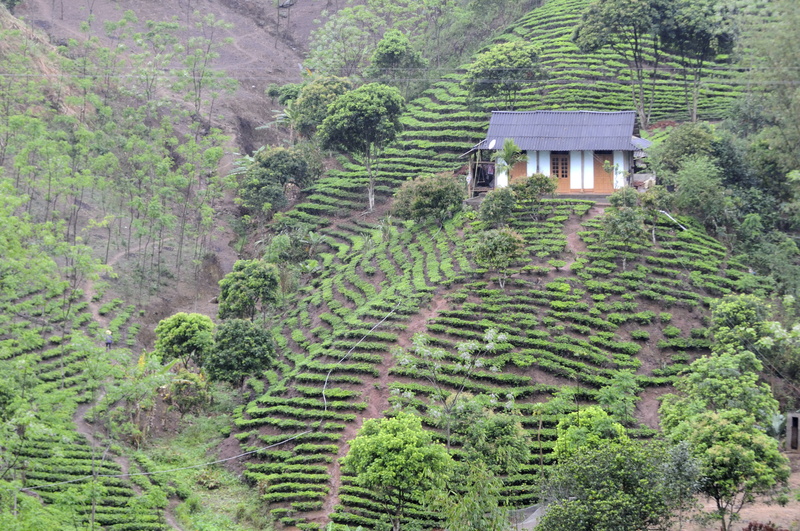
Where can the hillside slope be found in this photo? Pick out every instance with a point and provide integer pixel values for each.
(570, 331)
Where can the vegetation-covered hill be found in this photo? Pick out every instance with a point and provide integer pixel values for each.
(97, 166)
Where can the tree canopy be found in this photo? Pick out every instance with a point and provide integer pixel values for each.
(398, 461)
(241, 348)
(252, 285)
(363, 122)
(437, 197)
(501, 72)
(187, 336)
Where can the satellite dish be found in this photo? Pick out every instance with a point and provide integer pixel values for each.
(492, 143)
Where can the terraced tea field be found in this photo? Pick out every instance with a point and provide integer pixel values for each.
(445, 122)
(570, 329)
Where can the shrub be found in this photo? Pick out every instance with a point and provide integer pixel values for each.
(671, 331)
(497, 207)
(437, 197)
(641, 335)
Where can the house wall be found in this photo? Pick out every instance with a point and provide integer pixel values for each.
(501, 177)
(581, 171)
(622, 166)
(544, 162)
(575, 170)
(588, 170)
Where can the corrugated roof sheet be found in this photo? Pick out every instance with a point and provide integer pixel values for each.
(565, 131)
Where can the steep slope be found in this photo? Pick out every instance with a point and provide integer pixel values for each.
(444, 121)
(569, 330)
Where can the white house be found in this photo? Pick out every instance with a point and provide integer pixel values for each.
(588, 151)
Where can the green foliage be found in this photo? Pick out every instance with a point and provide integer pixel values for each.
(265, 175)
(311, 104)
(395, 62)
(478, 506)
(621, 484)
(187, 337)
(501, 72)
(530, 190)
(397, 460)
(497, 207)
(188, 392)
(738, 461)
(700, 193)
(438, 197)
(627, 26)
(717, 383)
(363, 122)
(241, 348)
(683, 142)
(498, 249)
(586, 429)
(252, 284)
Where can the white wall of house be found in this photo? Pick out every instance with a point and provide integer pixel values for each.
(575, 170)
(531, 169)
(588, 170)
(500, 177)
(544, 163)
(621, 167)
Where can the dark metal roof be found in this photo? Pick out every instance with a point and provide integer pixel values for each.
(565, 131)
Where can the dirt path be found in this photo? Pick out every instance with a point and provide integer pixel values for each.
(574, 243)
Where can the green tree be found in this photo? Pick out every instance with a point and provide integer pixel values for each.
(363, 122)
(530, 190)
(498, 207)
(397, 460)
(498, 249)
(738, 461)
(633, 29)
(263, 178)
(586, 429)
(503, 71)
(478, 504)
(701, 30)
(395, 62)
(778, 66)
(438, 197)
(700, 193)
(313, 100)
(252, 285)
(621, 484)
(186, 336)
(453, 408)
(342, 45)
(717, 383)
(240, 349)
(625, 222)
(683, 142)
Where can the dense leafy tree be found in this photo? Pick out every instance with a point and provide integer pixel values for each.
(395, 62)
(621, 484)
(186, 336)
(438, 197)
(499, 441)
(498, 206)
(625, 222)
(532, 189)
(717, 383)
(618, 398)
(778, 67)
(700, 193)
(503, 71)
(498, 249)
(633, 30)
(585, 429)
(264, 176)
(363, 122)
(313, 100)
(686, 140)
(738, 461)
(700, 30)
(252, 285)
(241, 348)
(397, 460)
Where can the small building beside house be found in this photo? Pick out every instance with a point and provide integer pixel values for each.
(587, 151)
